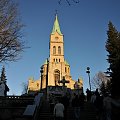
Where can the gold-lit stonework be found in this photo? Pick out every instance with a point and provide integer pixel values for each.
(57, 67)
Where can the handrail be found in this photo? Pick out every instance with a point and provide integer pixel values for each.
(37, 112)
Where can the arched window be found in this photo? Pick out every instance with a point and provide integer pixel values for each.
(56, 60)
(68, 70)
(54, 50)
(59, 60)
(56, 77)
(59, 50)
(65, 69)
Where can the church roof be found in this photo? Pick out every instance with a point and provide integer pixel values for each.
(56, 26)
(46, 62)
(31, 78)
(80, 78)
(66, 63)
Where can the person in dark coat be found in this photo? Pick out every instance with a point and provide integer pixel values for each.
(76, 107)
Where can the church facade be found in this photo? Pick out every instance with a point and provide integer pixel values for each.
(55, 68)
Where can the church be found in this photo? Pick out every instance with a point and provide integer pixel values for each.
(56, 68)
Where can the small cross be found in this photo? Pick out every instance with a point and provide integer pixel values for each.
(63, 81)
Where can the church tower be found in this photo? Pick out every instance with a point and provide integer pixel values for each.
(58, 67)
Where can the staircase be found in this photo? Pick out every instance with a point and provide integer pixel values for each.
(44, 112)
(87, 114)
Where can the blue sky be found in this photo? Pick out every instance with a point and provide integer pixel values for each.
(84, 26)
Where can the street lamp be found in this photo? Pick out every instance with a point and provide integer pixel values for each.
(41, 71)
(47, 78)
(88, 71)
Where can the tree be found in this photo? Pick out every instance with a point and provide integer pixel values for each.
(69, 2)
(11, 44)
(113, 49)
(3, 76)
(102, 88)
(100, 81)
(25, 88)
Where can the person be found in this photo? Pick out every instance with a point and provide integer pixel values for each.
(59, 111)
(82, 100)
(99, 106)
(65, 102)
(76, 106)
(93, 98)
(88, 92)
(2, 88)
(107, 105)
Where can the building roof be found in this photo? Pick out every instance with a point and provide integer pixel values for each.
(46, 62)
(66, 63)
(56, 26)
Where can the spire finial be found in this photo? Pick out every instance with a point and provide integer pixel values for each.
(56, 12)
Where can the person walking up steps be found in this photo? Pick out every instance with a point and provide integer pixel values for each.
(76, 107)
(59, 111)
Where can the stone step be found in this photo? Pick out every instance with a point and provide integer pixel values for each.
(88, 113)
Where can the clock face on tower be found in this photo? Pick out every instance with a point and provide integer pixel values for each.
(56, 38)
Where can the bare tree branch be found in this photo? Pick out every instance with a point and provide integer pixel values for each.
(69, 2)
(11, 44)
(98, 79)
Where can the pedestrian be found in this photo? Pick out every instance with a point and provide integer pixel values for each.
(59, 110)
(93, 98)
(99, 106)
(76, 106)
(107, 105)
(88, 92)
(65, 102)
(82, 101)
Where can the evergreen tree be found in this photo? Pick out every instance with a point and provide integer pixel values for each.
(108, 86)
(113, 49)
(3, 76)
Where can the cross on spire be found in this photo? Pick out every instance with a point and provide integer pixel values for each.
(56, 12)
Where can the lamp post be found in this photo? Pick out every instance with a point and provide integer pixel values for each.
(47, 78)
(88, 71)
(41, 71)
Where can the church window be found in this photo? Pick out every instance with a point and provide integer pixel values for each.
(59, 60)
(65, 69)
(54, 50)
(59, 50)
(68, 70)
(54, 60)
(37, 84)
(56, 77)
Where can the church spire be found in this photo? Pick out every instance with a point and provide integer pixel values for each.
(56, 27)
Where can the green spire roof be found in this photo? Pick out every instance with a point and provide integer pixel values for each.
(56, 27)
(31, 78)
(45, 62)
(66, 63)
